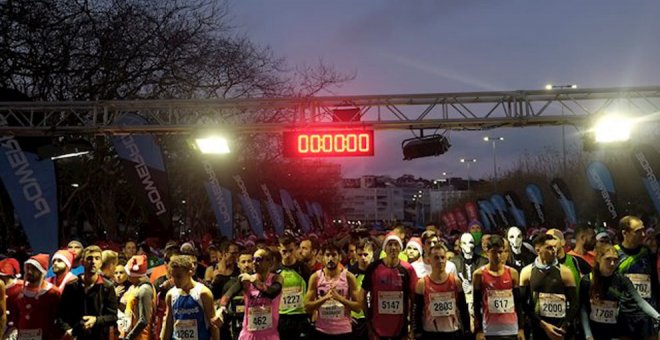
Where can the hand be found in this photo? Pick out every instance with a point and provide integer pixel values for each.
(247, 277)
(333, 294)
(166, 285)
(521, 334)
(553, 332)
(88, 321)
(68, 335)
(480, 336)
(119, 290)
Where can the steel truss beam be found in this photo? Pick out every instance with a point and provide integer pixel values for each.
(452, 111)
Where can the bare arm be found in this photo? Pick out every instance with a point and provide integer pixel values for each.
(311, 301)
(3, 306)
(166, 332)
(209, 312)
(145, 295)
(354, 303)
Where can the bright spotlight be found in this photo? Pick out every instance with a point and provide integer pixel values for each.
(548, 87)
(212, 145)
(611, 128)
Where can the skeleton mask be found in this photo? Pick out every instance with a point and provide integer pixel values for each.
(515, 239)
(467, 245)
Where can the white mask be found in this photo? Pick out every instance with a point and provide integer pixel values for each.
(467, 245)
(514, 236)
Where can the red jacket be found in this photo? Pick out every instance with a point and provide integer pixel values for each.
(37, 311)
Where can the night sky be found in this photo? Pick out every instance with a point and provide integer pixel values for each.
(456, 46)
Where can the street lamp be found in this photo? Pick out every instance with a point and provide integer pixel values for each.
(494, 140)
(467, 162)
(563, 128)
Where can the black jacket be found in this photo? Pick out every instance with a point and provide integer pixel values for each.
(98, 300)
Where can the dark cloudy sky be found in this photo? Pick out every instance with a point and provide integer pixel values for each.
(430, 46)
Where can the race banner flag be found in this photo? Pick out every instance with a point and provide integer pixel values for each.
(252, 211)
(516, 209)
(143, 164)
(488, 208)
(563, 195)
(449, 221)
(500, 206)
(289, 207)
(601, 181)
(536, 198)
(221, 202)
(461, 220)
(274, 211)
(30, 183)
(302, 218)
(485, 221)
(471, 210)
(647, 162)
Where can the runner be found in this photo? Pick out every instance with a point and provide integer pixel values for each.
(585, 242)
(89, 304)
(577, 265)
(604, 293)
(61, 267)
(3, 309)
(520, 256)
(38, 302)
(638, 264)
(141, 301)
(189, 305)
(441, 310)
(234, 312)
(548, 290)
(496, 293)
(307, 253)
(386, 290)
(365, 254)
(9, 271)
(423, 267)
(294, 322)
(414, 250)
(333, 293)
(261, 292)
(110, 260)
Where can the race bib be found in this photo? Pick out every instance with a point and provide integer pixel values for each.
(604, 311)
(123, 322)
(259, 318)
(642, 283)
(552, 305)
(442, 304)
(291, 298)
(29, 334)
(500, 301)
(390, 303)
(331, 310)
(185, 329)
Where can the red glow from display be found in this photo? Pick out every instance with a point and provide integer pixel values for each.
(329, 143)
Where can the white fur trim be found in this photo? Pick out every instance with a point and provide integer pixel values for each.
(64, 259)
(37, 265)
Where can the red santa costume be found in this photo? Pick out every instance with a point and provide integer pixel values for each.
(10, 271)
(38, 306)
(60, 281)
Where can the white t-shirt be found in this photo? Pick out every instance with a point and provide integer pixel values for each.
(422, 269)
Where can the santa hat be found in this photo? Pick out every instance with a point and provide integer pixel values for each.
(10, 267)
(39, 261)
(392, 236)
(65, 256)
(137, 266)
(416, 243)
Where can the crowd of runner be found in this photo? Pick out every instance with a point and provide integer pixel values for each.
(344, 284)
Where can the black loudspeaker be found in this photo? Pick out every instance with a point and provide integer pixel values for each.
(433, 145)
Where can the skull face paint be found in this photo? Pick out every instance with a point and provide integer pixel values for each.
(514, 235)
(467, 245)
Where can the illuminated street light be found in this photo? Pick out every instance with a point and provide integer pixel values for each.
(212, 145)
(613, 128)
(494, 140)
(560, 87)
(467, 162)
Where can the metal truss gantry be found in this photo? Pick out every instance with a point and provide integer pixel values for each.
(450, 111)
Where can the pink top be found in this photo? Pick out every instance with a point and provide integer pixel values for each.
(261, 314)
(333, 317)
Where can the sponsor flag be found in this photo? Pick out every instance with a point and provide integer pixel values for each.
(449, 221)
(290, 208)
(221, 202)
(500, 206)
(563, 195)
(144, 168)
(251, 208)
(302, 217)
(30, 183)
(647, 162)
(274, 210)
(516, 208)
(472, 211)
(485, 221)
(488, 208)
(461, 220)
(536, 198)
(601, 181)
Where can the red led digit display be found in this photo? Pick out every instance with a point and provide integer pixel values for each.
(329, 143)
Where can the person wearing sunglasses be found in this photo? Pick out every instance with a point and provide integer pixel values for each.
(441, 309)
(333, 293)
(638, 264)
(604, 292)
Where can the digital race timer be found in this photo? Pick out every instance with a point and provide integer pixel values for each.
(333, 143)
